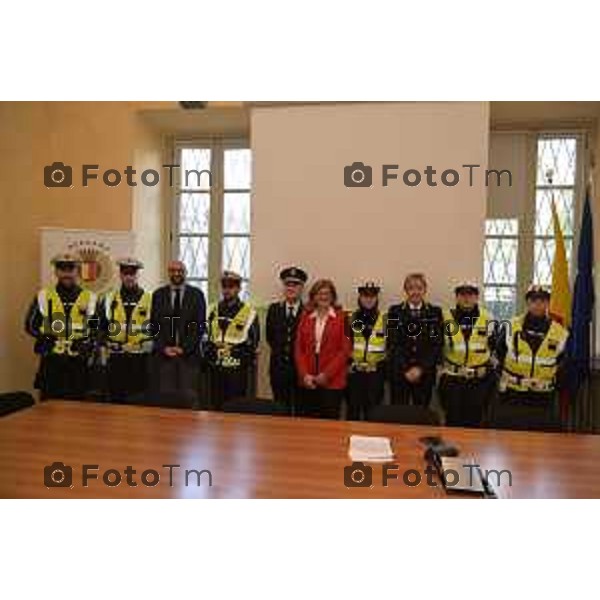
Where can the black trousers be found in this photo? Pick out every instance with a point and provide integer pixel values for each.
(544, 402)
(320, 403)
(284, 383)
(419, 393)
(466, 400)
(365, 390)
(175, 380)
(227, 384)
(62, 377)
(127, 376)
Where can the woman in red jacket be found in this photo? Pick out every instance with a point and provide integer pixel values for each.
(322, 351)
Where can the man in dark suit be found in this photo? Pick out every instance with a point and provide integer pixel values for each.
(178, 317)
(415, 342)
(282, 321)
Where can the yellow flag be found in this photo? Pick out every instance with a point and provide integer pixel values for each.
(560, 302)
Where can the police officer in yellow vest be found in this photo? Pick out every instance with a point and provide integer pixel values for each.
(62, 319)
(531, 353)
(367, 370)
(233, 336)
(126, 333)
(467, 379)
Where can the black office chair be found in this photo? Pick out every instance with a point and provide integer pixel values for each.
(406, 415)
(255, 407)
(523, 418)
(14, 401)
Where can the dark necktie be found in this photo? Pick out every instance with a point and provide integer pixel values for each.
(290, 314)
(176, 314)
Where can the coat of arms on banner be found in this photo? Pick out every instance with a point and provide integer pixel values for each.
(97, 249)
(97, 269)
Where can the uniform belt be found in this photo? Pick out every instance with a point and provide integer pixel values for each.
(530, 383)
(364, 368)
(466, 372)
(119, 348)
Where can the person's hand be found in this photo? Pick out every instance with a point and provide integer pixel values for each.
(171, 351)
(321, 380)
(309, 382)
(413, 375)
(178, 351)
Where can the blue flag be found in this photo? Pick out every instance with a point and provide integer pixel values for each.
(579, 344)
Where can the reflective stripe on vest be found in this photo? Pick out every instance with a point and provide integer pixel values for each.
(372, 352)
(459, 352)
(56, 324)
(524, 370)
(237, 329)
(115, 313)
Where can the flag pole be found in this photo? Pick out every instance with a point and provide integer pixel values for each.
(590, 395)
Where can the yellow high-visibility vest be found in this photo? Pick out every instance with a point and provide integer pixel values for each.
(235, 333)
(237, 329)
(525, 371)
(373, 351)
(471, 353)
(56, 323)
(136, 334)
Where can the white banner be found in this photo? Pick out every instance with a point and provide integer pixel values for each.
(97, 250)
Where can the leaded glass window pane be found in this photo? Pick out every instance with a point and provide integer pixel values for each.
(502, 227)
(195, 168)
(236, 255)
(558, 154)
(500, 266)
(193, 251)
(544, 250)
(236, 214)
(564, 200)
(194, 213)
(501, 301)
(238, 169)
(500, 252)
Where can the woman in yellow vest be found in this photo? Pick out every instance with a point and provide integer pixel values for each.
(233, 336)
(126, 332)
(467, 379)
(531, 353)
(367, 370)
(62, 319)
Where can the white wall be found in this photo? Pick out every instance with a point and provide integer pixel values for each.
(303, 214)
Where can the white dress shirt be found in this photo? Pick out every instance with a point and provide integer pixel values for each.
(320, 322)
(294, 307)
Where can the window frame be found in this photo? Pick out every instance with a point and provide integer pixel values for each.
(577, 187)
(526, 214)
(516, 237)
(215, 235)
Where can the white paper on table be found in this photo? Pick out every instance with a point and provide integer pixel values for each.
(370, 449)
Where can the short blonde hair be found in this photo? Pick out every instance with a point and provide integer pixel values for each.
(420, 277)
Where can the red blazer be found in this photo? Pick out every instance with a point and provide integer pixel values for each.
(334, 352)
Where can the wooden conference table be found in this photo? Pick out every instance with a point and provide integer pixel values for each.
(262, 456)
